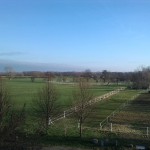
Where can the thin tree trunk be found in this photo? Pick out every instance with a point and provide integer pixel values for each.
(47, 122)
(80, 128)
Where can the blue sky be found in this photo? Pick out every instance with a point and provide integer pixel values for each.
(74, 34)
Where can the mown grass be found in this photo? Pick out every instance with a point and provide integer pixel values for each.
(106, 107)
(137, 113)
(23, 91)
(92, 124)
(103, 109)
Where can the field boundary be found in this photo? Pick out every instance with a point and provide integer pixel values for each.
(106, 120)
(128, 129)
(91, 102)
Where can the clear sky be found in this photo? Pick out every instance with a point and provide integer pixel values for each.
(75, 34)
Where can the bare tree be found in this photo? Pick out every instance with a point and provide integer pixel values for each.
(87, 74)
(10, 72)
(45, 104)
(4, 103)
(50, 76)
(141, 78)
(34, 75)
(81, 98)
(10, 120)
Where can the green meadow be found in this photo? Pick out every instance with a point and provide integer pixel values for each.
(23, 91)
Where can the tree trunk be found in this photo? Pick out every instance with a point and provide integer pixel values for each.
(80, 131)
(46, 124)
(65, 131)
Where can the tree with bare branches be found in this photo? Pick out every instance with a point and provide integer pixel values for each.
(9, 72)
(141, 78)
(45, 104)
(10, 120)
(81, 101)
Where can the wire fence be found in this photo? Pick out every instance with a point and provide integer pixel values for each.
(108, 118)
(107, 126)
(127, 129)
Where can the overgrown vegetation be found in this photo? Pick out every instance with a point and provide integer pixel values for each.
(10, 120)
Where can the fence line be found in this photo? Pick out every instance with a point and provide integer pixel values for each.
(91, 102)
(127, 129)
(113, 127)
(106, 120)
(130, 129)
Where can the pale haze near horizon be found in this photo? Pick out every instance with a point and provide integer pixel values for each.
(73, 35)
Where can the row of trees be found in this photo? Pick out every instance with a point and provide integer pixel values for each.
(105, 76)
(140, 78)
(137, 77)
(45, 105)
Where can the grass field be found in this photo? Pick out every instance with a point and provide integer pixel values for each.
(137, 113)
(134, 118)
(106, 107)
(23, 91)
(132, 123)
(101, 110)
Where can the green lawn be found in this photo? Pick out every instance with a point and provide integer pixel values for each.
(106, 107)
(23, 91)
(100, 112)
(137, 113)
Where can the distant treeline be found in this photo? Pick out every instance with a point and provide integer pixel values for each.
(104, 76)
(140, 79)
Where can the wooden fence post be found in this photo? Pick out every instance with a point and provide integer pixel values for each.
(100, 126)
(111, 127)
(107, 119)
(49, 121)
(75, 109)
(78, 124)
(64, 114)
(113, 114)
(147, 133)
